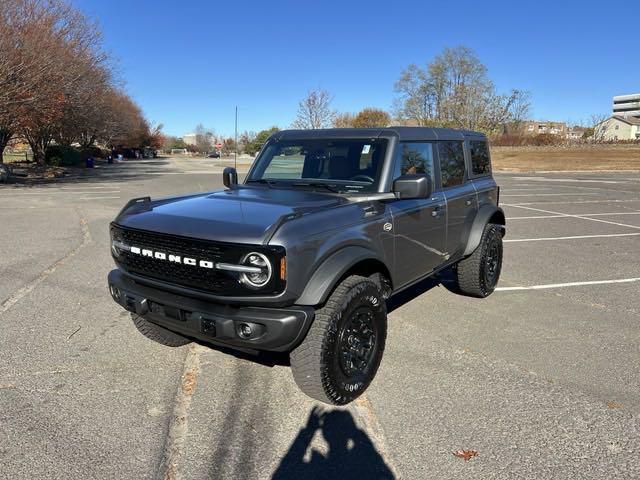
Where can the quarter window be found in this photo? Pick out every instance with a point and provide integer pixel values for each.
(416, 158)
(480, 164)
(451, 163)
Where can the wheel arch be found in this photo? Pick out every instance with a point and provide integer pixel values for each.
(352, 260)
(486, 214)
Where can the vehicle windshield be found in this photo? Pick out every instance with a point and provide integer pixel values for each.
(345, 166)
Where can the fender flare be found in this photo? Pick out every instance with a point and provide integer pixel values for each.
(330, 271)
(484, 215)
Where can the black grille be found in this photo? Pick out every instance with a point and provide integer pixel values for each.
(210, 280)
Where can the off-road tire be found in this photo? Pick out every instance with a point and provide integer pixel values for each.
(478, 274)
(157, 333)
(316, 363)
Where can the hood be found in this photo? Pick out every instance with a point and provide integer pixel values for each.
(243, 215)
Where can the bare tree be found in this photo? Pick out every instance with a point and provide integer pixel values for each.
(314, 111)
(205, 139)
(599, 126)
(454, 91)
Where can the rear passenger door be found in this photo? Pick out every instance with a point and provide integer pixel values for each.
(459, 193)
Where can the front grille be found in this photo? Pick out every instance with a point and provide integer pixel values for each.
(214, 281)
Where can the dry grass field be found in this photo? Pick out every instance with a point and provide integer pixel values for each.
(576, 158)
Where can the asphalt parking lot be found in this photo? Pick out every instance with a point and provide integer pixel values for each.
(541, 378)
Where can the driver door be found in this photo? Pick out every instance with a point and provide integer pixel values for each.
(419, 224)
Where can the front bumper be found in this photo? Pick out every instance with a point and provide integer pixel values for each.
(255, 328)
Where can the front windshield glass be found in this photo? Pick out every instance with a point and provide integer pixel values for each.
(348, 166)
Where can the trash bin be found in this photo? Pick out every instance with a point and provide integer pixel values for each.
(89, 162)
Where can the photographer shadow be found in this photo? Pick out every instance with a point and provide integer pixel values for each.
(351, 453)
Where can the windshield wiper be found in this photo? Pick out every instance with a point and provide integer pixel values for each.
(268, 183)
(329, 187)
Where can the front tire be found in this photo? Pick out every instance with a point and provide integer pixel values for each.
(479, 273)
(157, 333)
(340, 355)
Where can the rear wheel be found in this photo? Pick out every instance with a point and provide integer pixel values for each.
(340, 355)
(157, 333)
(479, 273)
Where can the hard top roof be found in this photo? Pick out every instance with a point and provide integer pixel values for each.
(404, 133)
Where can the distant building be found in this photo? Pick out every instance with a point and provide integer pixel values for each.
(627, 106)
(189, 138)
(531, 127)
(618, 128)
(575, 132)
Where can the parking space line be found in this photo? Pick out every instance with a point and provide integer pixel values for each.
(569, 284)
(547, 194)
(546, 239)
(576, 216)
(534, 217)
(579, 201)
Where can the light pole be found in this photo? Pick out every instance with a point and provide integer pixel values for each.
(235, 143)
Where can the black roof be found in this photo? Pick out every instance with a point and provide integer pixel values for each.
(404, 133)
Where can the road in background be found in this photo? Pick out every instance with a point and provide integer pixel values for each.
(540, 378)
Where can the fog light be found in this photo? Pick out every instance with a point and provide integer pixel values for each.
(115, 292)
(244, 330)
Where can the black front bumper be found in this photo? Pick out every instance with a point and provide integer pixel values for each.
(255, 328)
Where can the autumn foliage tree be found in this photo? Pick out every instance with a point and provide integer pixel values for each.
(58, 84)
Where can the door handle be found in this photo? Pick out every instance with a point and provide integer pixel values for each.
(436, 210)
(468, 202)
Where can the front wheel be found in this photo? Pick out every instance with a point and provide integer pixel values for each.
(479, 273)
(340, 355)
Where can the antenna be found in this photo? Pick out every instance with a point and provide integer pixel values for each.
(235, 143)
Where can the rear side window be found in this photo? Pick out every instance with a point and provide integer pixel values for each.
(451, 163)
(416, 158)
(480, 164)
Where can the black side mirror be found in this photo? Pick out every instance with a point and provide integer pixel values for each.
(412, 186)
(230, 177)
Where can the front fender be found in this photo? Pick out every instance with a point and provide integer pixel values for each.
(485, 214)
(330, 271)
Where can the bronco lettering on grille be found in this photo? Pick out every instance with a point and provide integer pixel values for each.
(145, 252)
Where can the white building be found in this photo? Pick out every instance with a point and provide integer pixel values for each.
(618, 128)
(189, 138)
(627, 106)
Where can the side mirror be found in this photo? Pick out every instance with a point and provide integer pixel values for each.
(412, 186)
(230, 177)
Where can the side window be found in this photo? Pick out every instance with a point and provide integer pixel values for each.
(451, 163)
(480, 163)
(416, 158)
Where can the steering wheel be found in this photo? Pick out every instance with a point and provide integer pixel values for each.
(362, 178)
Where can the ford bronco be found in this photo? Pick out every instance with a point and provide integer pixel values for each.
(302, 256)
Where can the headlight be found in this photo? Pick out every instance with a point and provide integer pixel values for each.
(256, 279)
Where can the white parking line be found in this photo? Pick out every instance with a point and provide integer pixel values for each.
(576, 180)
(546, 239)
(564, 285)
(58, 192)
(535, 217)
(577, 216)
(576, 202)
(97, 198)
(547, 194)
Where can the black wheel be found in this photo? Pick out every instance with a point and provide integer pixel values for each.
(341, 354)
(479, 273)
(157, 333)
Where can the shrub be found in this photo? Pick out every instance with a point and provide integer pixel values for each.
(65, 156)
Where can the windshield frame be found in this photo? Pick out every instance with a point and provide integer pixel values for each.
(378, 186)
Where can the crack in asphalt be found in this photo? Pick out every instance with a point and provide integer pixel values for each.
(178, 425)
(16, 296)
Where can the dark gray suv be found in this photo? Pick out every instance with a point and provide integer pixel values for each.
(302, 256)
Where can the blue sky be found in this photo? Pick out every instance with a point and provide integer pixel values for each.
(191, 62)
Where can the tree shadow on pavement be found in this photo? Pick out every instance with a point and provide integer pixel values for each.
(351, 453)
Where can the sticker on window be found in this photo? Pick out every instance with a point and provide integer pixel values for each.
(365, 149)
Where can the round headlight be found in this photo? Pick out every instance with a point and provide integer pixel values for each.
(257, 279)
